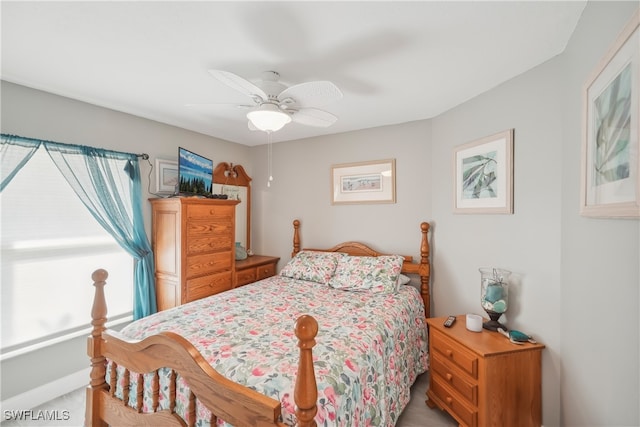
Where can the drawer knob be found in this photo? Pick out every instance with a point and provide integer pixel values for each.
(449, 377)
(449, 400)
(449, 353)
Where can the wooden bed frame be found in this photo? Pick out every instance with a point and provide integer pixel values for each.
(227, 400)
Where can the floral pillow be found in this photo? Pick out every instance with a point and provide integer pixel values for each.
(365, 273)
(313, 266)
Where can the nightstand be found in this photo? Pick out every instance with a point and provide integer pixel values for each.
(481, 378)
(254, 268)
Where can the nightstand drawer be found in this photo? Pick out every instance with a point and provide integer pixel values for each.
(455, 353)
(456, 379)
(245, 276)
(254, 268)
(467, 416)
(265, 271)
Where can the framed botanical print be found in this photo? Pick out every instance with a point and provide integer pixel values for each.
(610, 182)
(484, 175)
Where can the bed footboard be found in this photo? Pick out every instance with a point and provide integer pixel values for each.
(225, 399)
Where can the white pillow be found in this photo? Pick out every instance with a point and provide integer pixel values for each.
(403, 280)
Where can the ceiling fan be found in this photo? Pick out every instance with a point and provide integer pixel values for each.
(275, 105)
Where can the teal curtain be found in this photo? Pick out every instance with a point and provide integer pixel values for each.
(15, 152)
(109, 185)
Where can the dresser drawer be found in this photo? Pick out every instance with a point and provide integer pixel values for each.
(209, 229)
(198, 265)
(468, 416)
(265, 271)
(208, 285)
(455, 353)
(209, 212)
(199, 245)
(455, 378)
(245, 276)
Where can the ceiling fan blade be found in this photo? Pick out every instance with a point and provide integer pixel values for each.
(313, 117)
(238, 83)
(310, 94)
(219, 105)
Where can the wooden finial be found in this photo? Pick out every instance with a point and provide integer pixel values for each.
(94, 344)
(306, 389)
(424, 260)
(296, 237)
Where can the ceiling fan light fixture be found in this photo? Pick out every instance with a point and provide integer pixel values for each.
(268, 118)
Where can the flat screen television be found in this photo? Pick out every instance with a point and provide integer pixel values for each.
(195, 173)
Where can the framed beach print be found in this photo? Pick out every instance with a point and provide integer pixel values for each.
(166, 176)
(364, 182)
(610, 183)
(484, 175)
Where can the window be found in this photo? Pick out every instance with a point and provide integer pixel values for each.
(51, 244)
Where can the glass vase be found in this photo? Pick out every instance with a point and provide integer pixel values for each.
(494, 295)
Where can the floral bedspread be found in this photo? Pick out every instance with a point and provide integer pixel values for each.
(370, 347)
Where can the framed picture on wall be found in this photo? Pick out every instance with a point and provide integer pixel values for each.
(610, 181)
(166, 176)
(364, 182)
(484, 175)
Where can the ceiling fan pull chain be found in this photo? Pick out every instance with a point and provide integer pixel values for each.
(269, 159)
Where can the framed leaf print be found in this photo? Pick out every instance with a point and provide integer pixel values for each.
(610, 182)
(484, 175)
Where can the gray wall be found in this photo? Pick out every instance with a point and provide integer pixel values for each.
(301, 189)
(600, 261)
(527, 242)
(565, 266)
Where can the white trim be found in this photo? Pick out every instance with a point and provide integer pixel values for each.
(46, 392)
(47, 343)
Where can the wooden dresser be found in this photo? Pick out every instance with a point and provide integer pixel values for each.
(481, 378)
(193, 243)
(254, 268)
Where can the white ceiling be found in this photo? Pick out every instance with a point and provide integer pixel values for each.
(394, 61)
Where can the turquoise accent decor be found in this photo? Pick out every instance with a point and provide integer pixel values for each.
(494, 293)
(241, 253)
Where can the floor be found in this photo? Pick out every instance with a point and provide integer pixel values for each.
(69, 411)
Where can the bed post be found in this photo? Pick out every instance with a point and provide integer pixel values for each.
(94, 350)
(296, 237)
(306, 390)
(424, 261)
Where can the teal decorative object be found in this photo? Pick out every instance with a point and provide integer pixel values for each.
(241, 253)
(494, 292)
(494, 295)
(500, 306)
(517, 337)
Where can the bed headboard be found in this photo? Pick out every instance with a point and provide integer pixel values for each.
(422, 267)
